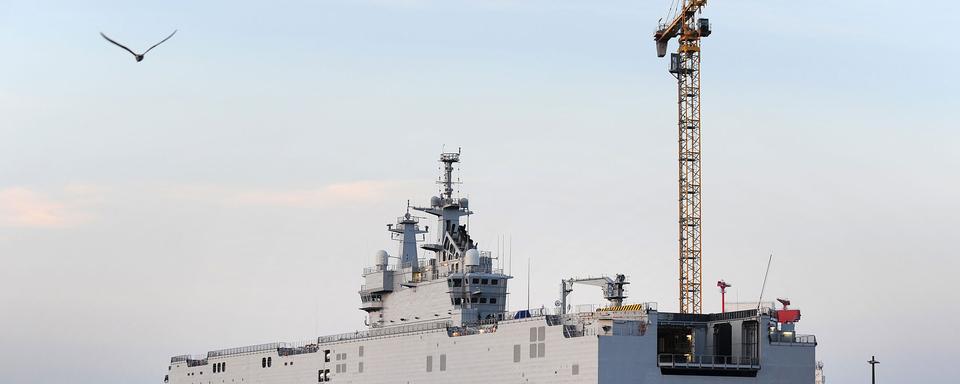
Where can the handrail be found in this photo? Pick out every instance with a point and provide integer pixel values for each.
(386, 331)
(261, 348)
(707, 361)
(385, 268)
(780, 337)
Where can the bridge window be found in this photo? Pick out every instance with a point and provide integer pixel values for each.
(269, 362)
(493, 300)
(494, 281)
(263, 363)
(476, 280)
(484, 281)
(473, 300)
(483, 300)
(429, 363)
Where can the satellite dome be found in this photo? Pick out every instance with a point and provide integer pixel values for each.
(380, 258)
(464, 202)
(472, 258)
(435, 201)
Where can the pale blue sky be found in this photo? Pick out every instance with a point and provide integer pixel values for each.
(211, 195)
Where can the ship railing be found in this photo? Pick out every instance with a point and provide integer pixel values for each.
(454, 331)
(387, 268)
(525, 313)
(288, 346)
(180, 358)
(578, 330)
(291, 351)
(421, 262)
(196, 363)
(385, 331)
(588, 308)
(791, 338)
(707, 361)
(191, 360)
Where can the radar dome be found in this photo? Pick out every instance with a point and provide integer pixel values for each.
(435, 201)
(472, 258)
(464, 203)
(380, 258)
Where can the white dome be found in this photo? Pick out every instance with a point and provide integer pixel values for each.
(472, 258)
(380, 258)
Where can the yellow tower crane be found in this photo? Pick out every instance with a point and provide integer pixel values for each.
(685, 66)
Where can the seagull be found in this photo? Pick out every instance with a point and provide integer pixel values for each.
(139, 57)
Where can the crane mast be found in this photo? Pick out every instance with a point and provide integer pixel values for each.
(685, 66)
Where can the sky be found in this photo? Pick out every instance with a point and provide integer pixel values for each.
(229, 189)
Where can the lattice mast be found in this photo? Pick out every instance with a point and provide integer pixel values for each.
(685, 66)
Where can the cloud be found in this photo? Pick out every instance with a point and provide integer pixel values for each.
(25, 208)
(73, 204)
(355, 192)
(340, 193)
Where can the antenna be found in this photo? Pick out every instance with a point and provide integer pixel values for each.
(528, 283)
(500, 255)
(764, 286)
(510, 253)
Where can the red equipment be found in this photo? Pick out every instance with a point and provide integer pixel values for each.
(787, 315)
(723, 294)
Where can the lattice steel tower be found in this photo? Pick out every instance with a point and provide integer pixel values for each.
(685, 66)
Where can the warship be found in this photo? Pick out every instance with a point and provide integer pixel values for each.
(437, 313)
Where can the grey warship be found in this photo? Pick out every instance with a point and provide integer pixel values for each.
(437, 313)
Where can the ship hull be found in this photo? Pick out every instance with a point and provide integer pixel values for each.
(516, 351)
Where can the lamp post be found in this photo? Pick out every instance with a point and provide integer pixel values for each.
(873, 369)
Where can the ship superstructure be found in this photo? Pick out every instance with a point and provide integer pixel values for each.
(443, 318)
(458, 283)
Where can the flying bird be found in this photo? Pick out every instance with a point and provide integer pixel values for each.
(137, 56)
